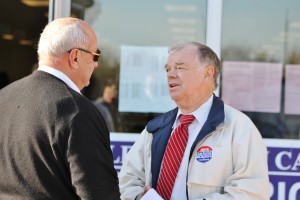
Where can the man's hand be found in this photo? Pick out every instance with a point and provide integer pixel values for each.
(138, 197)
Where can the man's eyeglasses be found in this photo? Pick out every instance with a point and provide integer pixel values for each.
(96, 54)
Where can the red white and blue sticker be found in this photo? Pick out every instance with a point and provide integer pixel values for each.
(204, 154)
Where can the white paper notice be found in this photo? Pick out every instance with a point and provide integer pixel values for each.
(252, 86)
(143, 81)
(292, 89)
(151, 195)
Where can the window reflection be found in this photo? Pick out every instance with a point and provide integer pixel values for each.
(264, 31)
(141, 24)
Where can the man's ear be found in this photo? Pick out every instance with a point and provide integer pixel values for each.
(73, 57)
(209, 71)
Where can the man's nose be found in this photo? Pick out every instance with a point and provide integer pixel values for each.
(172, 73)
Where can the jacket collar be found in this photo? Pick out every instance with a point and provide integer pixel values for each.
(215, 117)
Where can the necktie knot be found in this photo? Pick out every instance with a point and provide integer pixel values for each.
(186, 120)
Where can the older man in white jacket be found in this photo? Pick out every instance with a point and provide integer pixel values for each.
(224, 158)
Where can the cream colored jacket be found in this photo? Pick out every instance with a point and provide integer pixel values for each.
(237, 170)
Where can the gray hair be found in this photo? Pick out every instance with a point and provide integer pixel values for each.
(206, 56)
(57, 38)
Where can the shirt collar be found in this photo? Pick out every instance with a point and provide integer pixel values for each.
(59, 75)
(200, 113)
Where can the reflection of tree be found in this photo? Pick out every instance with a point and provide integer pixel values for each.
(239, 53)
(234, 53)
(294, 57)
(261, 56)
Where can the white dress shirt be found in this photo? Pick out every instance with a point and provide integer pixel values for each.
(59, 75)
(201, 114)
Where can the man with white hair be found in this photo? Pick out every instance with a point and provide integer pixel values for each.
(201, 150)
(54, 143)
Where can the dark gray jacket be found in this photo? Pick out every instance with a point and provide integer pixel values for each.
(54, 143)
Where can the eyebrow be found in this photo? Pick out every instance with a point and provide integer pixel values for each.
(177, 63)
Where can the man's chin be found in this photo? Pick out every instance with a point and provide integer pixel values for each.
(174, 97)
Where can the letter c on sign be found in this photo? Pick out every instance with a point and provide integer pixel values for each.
(278, 160)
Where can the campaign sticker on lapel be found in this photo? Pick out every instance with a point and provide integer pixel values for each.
(204, 154)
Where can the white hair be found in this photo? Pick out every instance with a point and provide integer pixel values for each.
(58, 38)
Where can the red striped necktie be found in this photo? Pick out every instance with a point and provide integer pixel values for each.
(173, 157)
